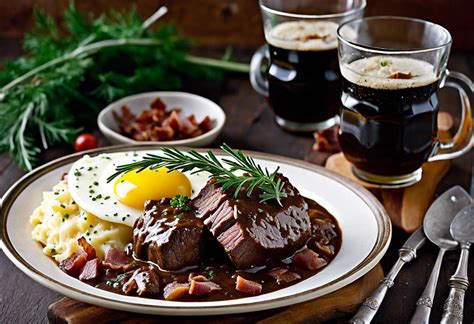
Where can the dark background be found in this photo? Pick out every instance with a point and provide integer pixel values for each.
(220, 23)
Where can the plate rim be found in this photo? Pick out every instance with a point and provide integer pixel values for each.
(378, 250)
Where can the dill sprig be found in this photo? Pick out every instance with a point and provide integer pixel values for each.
(270, 185)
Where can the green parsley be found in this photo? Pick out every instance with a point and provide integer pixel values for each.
(211, 274)
(180, 202)
(384, 63)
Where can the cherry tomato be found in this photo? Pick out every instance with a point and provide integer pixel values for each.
(85, 142)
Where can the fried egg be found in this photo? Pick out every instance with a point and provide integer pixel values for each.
(122, 199)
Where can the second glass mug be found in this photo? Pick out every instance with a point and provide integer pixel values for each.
(302, 81)
(392, 69)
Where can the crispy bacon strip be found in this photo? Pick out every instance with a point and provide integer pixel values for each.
(159, 124)
(74, 264)
(89, 249)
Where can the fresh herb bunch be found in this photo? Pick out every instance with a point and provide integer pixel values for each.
(64, 79)
(269, 183)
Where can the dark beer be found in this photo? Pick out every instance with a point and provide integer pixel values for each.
(389, 114)
(303, 74)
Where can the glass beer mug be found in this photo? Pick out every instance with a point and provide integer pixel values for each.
(302, 80)
(392, 70)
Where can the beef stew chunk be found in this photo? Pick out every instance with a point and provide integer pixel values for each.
(251, 233)
(168, 236)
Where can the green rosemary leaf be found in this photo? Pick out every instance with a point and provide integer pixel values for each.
(271, 186)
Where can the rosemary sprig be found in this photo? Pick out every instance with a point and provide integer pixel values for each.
(269, 183)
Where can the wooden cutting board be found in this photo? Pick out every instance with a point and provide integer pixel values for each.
(406, 206)
(340, 303)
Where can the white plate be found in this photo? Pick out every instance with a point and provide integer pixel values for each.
(365, 226)
(190, 104)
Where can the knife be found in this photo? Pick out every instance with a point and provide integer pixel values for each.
(406, 253)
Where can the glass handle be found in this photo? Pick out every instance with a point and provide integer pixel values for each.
(463, 140)
(257, 79)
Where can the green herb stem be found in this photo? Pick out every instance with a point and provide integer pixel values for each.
(97, 46)
(220, 64)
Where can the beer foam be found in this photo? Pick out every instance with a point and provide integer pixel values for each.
(378, 72)
(304, 35)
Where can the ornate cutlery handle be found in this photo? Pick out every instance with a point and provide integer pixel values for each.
(425, 302)
(369, 308)
(454, 304)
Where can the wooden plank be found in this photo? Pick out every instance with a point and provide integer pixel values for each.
(334, 305)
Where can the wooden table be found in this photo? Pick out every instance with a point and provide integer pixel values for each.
(250, 126)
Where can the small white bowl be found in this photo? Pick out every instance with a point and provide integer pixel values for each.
(189, 103)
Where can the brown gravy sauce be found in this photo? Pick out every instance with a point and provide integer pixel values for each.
(218, 269)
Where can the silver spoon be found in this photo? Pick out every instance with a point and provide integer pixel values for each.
(462, 230)
(436, 226)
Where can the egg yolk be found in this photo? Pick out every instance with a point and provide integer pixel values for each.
(133, 189)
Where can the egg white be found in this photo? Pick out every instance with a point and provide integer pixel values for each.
(87, 182)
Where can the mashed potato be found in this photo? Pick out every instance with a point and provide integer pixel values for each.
(59, 222)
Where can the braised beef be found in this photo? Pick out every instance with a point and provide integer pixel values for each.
(168, 236)
(143, 281)
(252, 233)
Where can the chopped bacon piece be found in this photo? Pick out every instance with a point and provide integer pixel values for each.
(247, 286)
(205, 125)
(201, 288)
(193, 276)
(283, 275)
(400, 75)
(175, 290)
(74, 264)
(327, 140)
(91, 270)
(158, 104)
(144, 281)
(309, 259)
(117, 260)
(89, 249)
(64, 176)
(158, 124)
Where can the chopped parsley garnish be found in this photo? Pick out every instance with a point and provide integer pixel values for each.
(180, 202)
(116, 279)
(179, 216)
(95, 183)
(77, 173)
(211, 274)
(164, 212)
(384, 63)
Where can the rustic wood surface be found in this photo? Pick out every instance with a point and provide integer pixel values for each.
(237, 22)
(335, 305)
(250, 126)
(406, 206)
